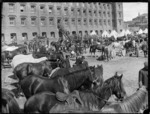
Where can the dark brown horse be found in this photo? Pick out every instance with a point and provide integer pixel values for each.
(8, 102)
(33, 84)
(83, 100)
(43, 68)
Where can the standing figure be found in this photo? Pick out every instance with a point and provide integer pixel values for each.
(137, 49)
(143, 76)
(67, 62)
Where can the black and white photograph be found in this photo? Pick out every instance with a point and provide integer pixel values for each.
(74, 57)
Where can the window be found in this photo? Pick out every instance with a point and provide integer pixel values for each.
(95, 21)
(3, 37)
(90, 21)
(85, 22)
(23, 21)
(22, 8)
(109, 22)
(108, 6)
(108, 14)
(90, 12)
(119, 14)
(12, 21)
(24, 36)
(79, 12)
(119, 6)
(120, 22)
(72, 11)
(51, 21)
(84, 12)
(100, 5)
(43, 22)
(42, 9)
(50, 10)
(104, 14)
(95, 13)
(79, 21)
(104, 22)
(33, 9)
(73, 21)
(65, 11)
(44, 34)
(100, 22)
(34, 34)
(33, 21)
(100, 13)
(104, 6)
(52, 34)
(13, 37)
(66, 21)
(11, 7)
(58, 11)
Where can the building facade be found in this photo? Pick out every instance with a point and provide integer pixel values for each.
(25, 20)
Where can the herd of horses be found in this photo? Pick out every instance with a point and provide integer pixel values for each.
(80, 89)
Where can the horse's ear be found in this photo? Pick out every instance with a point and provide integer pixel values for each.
(116, 74)
(121, 76)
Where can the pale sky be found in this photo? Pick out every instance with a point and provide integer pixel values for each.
(131, 9)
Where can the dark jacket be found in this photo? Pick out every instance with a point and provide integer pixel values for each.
(85, 63)
(67, 63)
(143, 76)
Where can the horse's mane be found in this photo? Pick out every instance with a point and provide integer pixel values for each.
(89, 98)
(78, 71)
(77, 68)
(134, 102)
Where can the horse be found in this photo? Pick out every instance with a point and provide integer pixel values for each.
(98, 76)
(9, 103)
(33, 84)
(131, 104)
(108, 52)
(42, 68)
(82, 100)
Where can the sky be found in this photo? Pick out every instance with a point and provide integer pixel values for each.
(131, 9)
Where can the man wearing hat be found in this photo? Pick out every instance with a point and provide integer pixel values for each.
(143, 76)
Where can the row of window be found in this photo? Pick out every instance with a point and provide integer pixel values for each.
(23, 20)
(58, 11)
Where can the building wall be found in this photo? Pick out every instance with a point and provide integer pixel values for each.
(29, 29)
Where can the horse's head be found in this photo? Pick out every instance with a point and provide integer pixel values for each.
(117, 86)
(98, 75)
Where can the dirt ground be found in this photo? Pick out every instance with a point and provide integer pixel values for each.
(128, 66)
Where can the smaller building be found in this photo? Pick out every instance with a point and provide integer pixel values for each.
(140, 22)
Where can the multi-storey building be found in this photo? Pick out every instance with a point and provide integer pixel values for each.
(26, 20)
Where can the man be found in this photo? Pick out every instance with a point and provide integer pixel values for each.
(137, 49)
(67, 62)
(145, 47)
(84, 62)
(143, 76)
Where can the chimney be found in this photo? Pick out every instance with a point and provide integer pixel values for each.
(138, 14)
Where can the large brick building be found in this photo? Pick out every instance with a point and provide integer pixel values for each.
(23, 20)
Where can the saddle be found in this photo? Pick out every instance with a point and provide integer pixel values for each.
(69, 98)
